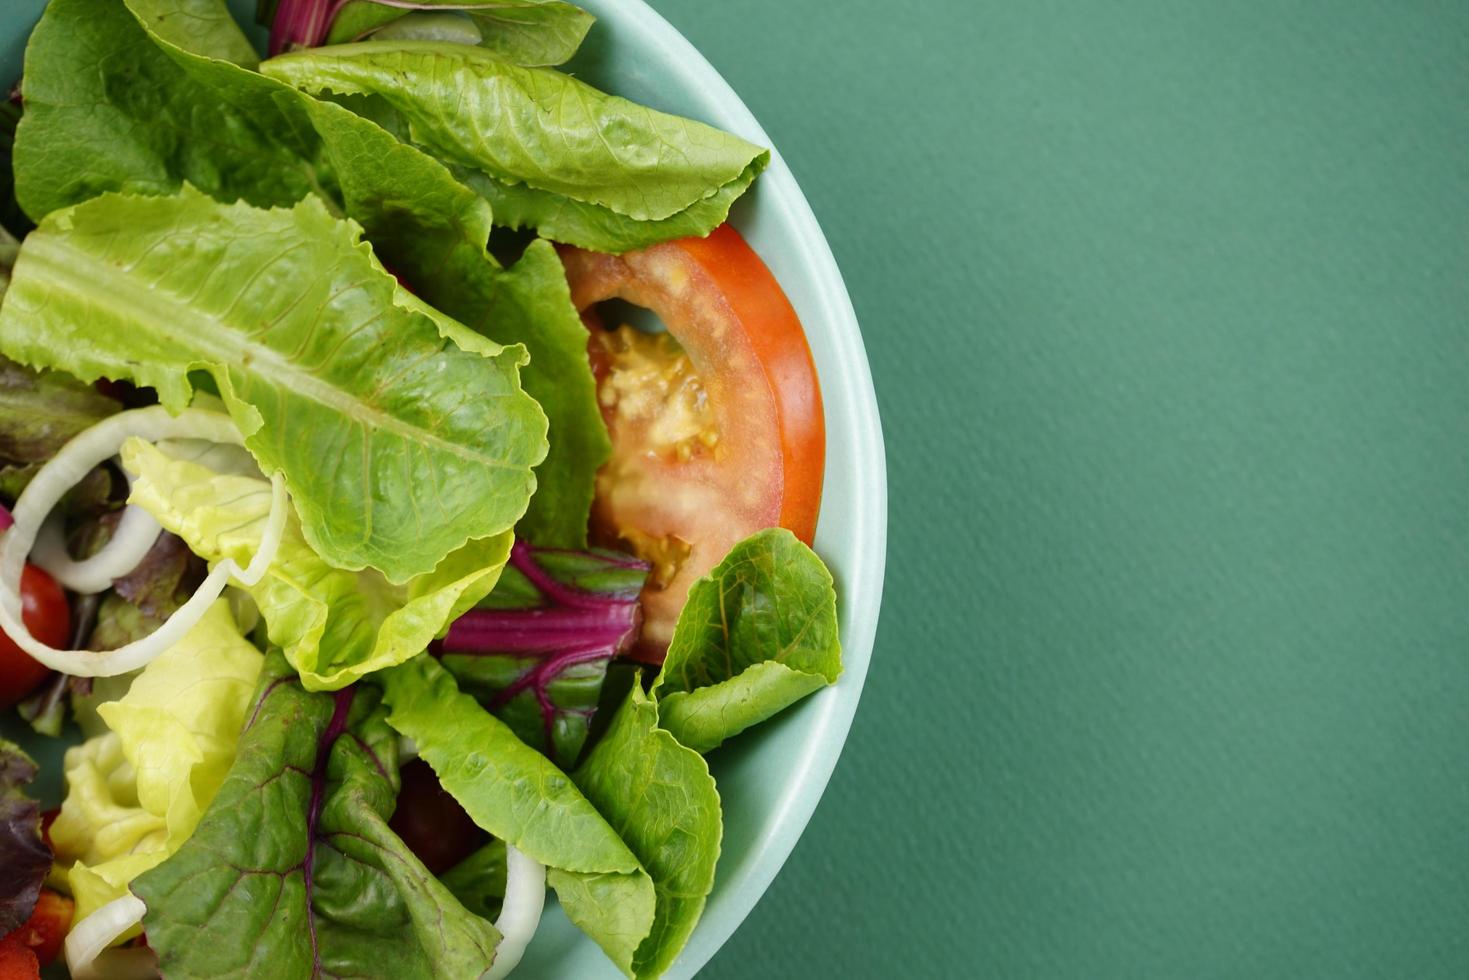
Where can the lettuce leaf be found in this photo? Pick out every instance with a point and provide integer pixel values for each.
(335, 626)
(758, 633)
(524, 32)
(519, 796)
(294, 871)
(137, 793)
(424, 224)
(106, 110)
(562, 141)
(661, 799)
(25, 860)
(398, 446)
(40, 411)
(432, 230)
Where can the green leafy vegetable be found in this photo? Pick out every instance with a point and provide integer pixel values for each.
(335, 626)
(202, 26)
(24, 858)
(40, 411)
(423, 223)
(539, 129)
(660, 798)
(136, 793)
(520, 797)
(479, 880)
(398, 446)
(524, 32)
(758, 633)
(432, 230)
(294, 872)
(106, 110)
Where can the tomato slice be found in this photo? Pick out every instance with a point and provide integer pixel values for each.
(717, 432)
(44, 610)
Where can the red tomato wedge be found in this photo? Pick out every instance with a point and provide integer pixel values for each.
(717, 428)
(44, 610)
(38, 940)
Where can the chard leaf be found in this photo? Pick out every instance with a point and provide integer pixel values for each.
(524, 32)
(535, 650)
(335, 626)
(397, 445)
(136, 792)
(660, 797)
(40, 411)
(757, 634)
(538, 129)
(294, 870)
(107, 110)
(24, 859)
(519, 796)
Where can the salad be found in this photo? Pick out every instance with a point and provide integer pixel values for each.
(380, 574)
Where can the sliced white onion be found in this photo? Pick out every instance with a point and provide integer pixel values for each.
(525, 899)
(66, 468)
(89, 937)
(123, 552)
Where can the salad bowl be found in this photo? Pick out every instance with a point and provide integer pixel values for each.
(770, 779)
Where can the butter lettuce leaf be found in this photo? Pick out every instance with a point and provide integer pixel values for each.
(136, 793)
(520, 797)
(525, 32)
(659, 796)
(758, 633)
(293, 870)
(398, 446)
(334, 625)
(562, 141)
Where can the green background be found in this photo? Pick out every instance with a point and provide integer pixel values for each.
(1168, 309)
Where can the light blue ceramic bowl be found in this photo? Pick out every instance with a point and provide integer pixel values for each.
(771, 778)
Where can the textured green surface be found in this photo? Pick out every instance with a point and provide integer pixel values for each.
(1168, 309)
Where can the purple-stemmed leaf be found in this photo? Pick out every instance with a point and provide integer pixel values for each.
(535, 651)
(24, 857)
(293, 871)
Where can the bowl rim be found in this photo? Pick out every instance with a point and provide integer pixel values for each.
(861, 585)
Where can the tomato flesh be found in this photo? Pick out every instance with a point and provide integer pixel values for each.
(717, 432)
(44, 610)
(38, 940)
(431, 822)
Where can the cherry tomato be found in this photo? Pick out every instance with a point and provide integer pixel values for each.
(431, 822)
(717, 428)
(38, 940)
(43, 608)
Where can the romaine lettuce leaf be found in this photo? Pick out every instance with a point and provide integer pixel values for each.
(294, 872)
(25, 860)
(758, 633)
(432, 230)
(335, 626)
(519, 796)
(660, 798)
(425, 225)
(136, 793)
(397, 445)
(107, 110)
(547, 132)
(525, 32)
